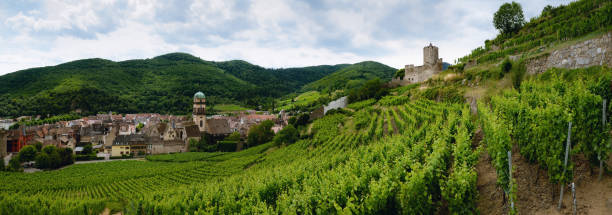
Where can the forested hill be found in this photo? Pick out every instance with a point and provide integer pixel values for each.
(164, 84)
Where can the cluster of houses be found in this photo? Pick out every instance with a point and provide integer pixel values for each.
(136, 134)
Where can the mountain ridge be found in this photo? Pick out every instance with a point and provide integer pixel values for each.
(163, 84)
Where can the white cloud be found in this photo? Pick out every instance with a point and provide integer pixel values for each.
(270, 33)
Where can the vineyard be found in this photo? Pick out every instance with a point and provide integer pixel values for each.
(418, 155)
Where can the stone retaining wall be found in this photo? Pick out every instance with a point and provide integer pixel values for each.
(593, 52)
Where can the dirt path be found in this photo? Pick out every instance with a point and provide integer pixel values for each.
(395, 130)
(490, 197)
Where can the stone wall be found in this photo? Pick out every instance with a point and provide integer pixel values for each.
(338, 103)
(593, 52)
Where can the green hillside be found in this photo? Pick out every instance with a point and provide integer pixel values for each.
(351, 77)
(164, 84)
(554, 25)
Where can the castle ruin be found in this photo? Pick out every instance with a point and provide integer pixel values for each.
(431, 65)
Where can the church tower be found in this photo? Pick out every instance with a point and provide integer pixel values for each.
(199, 110)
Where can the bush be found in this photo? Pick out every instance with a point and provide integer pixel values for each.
(49, 149)
(15, 164)
(299, 120)
(27, 153)
(42, 161)
(505, 66)
(288, 135)
(518, 72)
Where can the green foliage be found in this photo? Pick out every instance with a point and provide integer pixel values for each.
(2, 167)
(351, 77)
(299, 120)
(27, 153)
(518, 71)
(164, 84)
(201, 145)
(184, 157)
(509, 18)
(361, 104)
(87, 149)
(260, 134)
(372, 89)
(38, 146)
(287, 135)
(557, 24)
(400, 74)
(506, 66)
(139, 127)
(227, 146)
(15, 164)
(233, 137)
(538, 118)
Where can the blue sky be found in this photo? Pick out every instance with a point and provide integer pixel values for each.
(270, 33)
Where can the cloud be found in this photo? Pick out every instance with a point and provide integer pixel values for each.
(271, 33)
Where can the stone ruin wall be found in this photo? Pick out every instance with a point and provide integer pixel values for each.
(431, 66)
(593, 52)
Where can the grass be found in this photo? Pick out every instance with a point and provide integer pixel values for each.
(229, 107)
(301, 100)
(184, 157)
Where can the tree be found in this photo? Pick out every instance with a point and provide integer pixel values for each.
(374, 88)
(509, 18)
(66, 156)
(260, 134)
(288, 135)
(27, 153)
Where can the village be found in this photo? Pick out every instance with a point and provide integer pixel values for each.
(127, 135)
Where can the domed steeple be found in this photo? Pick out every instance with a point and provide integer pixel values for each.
(199, 95)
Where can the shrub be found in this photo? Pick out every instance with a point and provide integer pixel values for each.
(518, 72)
(15, 164)
(374, 88)
(27, 153)
(506, 65)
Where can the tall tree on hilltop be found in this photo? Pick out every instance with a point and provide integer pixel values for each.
(509, 18)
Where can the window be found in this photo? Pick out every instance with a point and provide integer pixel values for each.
(201, 123)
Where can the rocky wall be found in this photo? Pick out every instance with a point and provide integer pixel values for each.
(592, 52)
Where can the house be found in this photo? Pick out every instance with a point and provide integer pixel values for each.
(217, 129)
(134, 144)
(192, 133)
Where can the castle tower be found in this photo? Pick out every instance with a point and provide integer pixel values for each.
(430, 55)
(199, 110)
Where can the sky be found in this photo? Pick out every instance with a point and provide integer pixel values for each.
(269, 33)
